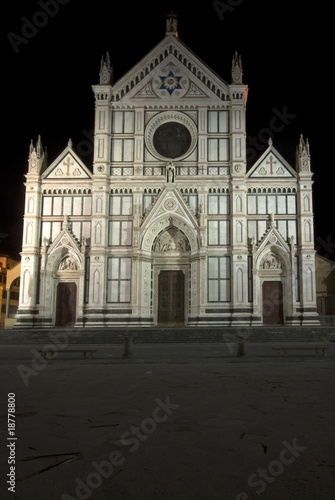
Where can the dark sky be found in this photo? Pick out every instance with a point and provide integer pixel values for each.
(50, 62)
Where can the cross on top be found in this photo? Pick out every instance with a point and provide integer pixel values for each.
(68, 162)
(271, 162)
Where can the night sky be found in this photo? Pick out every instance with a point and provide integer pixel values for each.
(51, 58)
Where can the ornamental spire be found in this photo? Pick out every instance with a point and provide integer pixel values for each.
(37, 157)
(236, 70)
(303, 156)
(106, 71)
(303, 146)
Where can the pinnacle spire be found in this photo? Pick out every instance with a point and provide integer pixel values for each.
(37, 157)
(303, 157)
(303, 145)
(39, 148)
(236, 69)
(106, 70)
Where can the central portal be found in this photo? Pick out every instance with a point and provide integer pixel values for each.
(171, 298)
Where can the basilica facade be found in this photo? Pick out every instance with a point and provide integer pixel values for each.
(168, 226)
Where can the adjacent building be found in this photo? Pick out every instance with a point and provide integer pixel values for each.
(168, 226)
(9, 290)
(325, 289)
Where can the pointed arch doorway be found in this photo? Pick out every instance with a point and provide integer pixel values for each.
(171, 274)
(171, 298)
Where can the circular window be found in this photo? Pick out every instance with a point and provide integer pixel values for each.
(172, 140)
(171, 136)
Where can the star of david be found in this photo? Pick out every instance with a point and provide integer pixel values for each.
(170, 82)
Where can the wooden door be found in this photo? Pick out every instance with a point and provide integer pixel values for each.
(171, 293)
(66, 304)
(273, 303)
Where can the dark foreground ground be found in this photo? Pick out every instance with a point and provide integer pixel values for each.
(171, 422)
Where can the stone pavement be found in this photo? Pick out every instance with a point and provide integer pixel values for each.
(172, 422)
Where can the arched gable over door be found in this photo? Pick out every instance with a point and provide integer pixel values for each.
(66, 280)
(271, 271)
(171, 257)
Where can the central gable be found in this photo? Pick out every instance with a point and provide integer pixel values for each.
(171, 79)
(168, 72)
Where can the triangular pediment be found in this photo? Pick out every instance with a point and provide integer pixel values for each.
(170, 79)
(65, 240)
(64, 253)
(170, 71)
(67, 166)
(170, 202)
(271, 165)
(272, 255)
(272, 237)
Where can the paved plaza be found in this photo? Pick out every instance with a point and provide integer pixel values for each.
(168, 422)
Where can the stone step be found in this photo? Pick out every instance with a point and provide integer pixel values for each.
(168, 335)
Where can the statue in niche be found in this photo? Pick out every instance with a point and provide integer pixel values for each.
(46, 242)
(172, 241)
(166, 244)
(272, 220)
(291, 241)
(271, 262)
(171, 23)
(67, 264)
(170, 172)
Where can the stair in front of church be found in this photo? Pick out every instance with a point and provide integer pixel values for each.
(156, 335)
